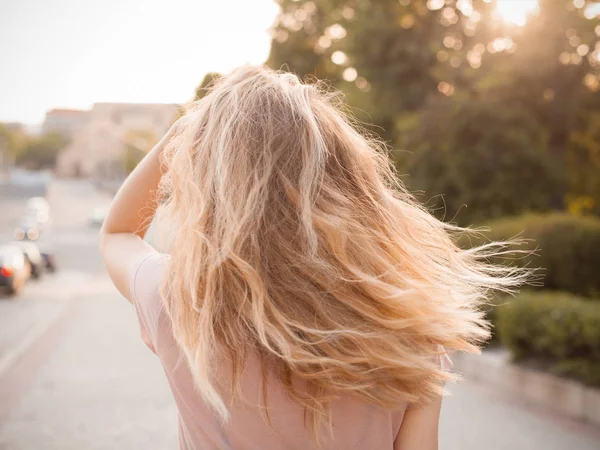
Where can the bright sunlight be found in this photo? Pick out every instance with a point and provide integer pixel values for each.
(516, 11)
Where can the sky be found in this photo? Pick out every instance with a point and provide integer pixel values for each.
(73, 53)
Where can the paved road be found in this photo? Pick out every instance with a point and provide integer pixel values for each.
(75, 245)
(74, 374)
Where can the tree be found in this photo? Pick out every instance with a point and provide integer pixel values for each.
(583, 165)
(302, 40)
(388, 56)
(399, 60)
(486, 160)
(12, 141)
(41, 152)
(554, 75)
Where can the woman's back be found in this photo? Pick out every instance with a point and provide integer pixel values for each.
(297, 262)
(356, 424)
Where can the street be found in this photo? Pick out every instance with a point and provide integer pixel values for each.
(74, 374)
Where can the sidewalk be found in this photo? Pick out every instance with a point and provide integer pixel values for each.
(476, 418)
(94, 386)
(100, 388)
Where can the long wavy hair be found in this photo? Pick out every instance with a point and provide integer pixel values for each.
(292, 237)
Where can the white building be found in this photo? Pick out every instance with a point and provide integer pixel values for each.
(65, 121)
(98, 148)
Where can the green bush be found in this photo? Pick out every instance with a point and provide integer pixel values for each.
(568, 249)
(558, 329)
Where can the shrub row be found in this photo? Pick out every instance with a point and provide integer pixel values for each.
(559, 330)
(568, 249)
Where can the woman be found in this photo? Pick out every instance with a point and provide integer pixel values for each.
(304, 298)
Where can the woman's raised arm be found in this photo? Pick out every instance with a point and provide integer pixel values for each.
(121, 238)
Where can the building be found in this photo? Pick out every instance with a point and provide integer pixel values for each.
(98, 149)
(65, 121)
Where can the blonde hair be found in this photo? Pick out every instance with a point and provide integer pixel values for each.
(292, 237)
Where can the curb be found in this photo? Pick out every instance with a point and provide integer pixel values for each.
(559, 395)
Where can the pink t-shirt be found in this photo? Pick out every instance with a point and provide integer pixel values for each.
(356, 424)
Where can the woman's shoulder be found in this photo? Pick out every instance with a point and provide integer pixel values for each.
(148, 274)
(145, 292)
(146, 282)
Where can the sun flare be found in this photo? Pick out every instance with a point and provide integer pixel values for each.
(516, 11)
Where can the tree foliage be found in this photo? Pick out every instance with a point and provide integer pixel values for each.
(40, 152)
(480, 156)
(458, 88)
(12, 141)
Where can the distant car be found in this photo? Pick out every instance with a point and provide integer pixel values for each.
(50, 262)
(28, 229)
(97, 217)
(33, 256)
(14, 270)
(39, 208)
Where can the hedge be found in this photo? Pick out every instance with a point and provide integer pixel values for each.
(559, 330)
(568, 249)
